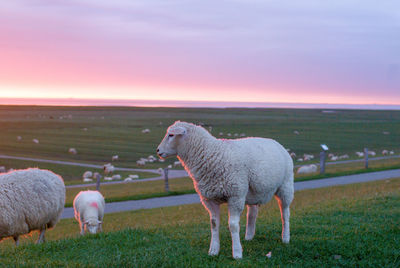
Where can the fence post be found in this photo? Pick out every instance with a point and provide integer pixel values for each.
(98, 182)
(366, 157)
(166, 179)
(322, 157)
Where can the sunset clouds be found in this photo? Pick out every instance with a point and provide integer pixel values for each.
(302, 51)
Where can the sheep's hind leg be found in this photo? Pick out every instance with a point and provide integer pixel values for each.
(41, 236)
(16, 239)
(284, 196)
(235, 208)
(213, 210)
(252, 211)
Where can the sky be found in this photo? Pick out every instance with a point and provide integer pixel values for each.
(307, 51)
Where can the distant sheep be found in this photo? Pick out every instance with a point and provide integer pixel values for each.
(391, 152)
(307, 169)
(87, 174)
(87, 180)
(89, 211)
(31, 199)
(221, 133)
(72, 151)
(116, 177)
(241, 172)
(108, 178)
(134, 176)
(177, 164)
(296, 132)
(114, 158)
(372, 153)
(145, 131)
(128, 179)
(242, 134)
(19, 138)
(140, 163)
(108, 168)
(35, 141)
(160, 170)
(360, 154)
(3, 169)
(385, 152)
(169, 166)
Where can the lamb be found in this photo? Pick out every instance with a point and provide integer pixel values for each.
(31, 199)
(307, 169)
(108, 168)
(247, 171)
(89, 211)
(35, 141)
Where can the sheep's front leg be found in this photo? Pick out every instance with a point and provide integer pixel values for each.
(235, 207)
(252, 211)
(213, 210)
(82, 225)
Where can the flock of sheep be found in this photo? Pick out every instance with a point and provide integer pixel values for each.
(33, 199)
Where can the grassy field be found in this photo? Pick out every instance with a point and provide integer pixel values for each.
(100, 132)
(352, 226)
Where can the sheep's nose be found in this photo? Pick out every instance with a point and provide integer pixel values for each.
(158, 150)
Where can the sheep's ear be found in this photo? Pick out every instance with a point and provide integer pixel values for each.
(178, 131)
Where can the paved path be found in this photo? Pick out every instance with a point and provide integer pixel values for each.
(194, 198)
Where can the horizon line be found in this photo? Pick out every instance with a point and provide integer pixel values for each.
(188, 103)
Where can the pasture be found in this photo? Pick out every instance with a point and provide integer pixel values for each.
(100, 132)
(352, 225)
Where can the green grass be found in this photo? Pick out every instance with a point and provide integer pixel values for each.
(70, 174)
(117, 130)
(358, 223)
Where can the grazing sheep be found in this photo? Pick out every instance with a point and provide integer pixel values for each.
(345, 156)
(134, 176)
(87, 174)
(307, 169)
(229, 134)
(19, 138)
(87, 180)
(116, 177)
(296, 132)
(385, 152)
(360, 154)
(146, 130)
(30, 199)
(35, 141)
(293, 154)
(114, 158)
(308, 157)
(241, 172)
(221, 133)
(169, 166)
(89, 211)
(140, 163)
(108, 168)
(161, 160)
(72, 151)
(128, 179)
(334, 158)
(108, 178)
(391, 152)
(372, 153)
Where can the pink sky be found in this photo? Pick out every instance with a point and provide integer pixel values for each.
(281, 51)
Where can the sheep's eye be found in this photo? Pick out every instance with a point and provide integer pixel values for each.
(170, 135)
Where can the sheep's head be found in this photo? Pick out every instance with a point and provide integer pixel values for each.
(169, 145)
(92, 225)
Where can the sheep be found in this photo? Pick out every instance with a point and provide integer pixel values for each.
(177, 163)
(134, 176)
(140, 163)
(128, 179)
(35, 141)
(307, 169)
(169, 166)
(114, 158)
(89, 211)
(242, 134)
(345, 156)
(116, 177)
(296, 132)
(146, 130)
(72, 151)
(385, 152)
(87, 180)
(334, 158)
(360, 154)
(372, 153)
(2, 169)
(247, 171)
(221, 133)
(31, 199)
(108, 178)
(19, 138)
(160, 170)
(108, 168)
(161, 160)
(87, 174)
(391, 152)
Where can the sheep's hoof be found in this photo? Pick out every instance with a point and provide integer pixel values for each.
(248, 237)
(213, 251)
(237, 256)
(285, 240)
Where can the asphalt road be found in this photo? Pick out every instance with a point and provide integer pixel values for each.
(194, 198)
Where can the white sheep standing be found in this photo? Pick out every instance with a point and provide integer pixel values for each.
(114, 158)
(116, 177)
(30, 199)
(307, 169)
(89, 211)
(35, 141)
(134, 176)
(108, 168)
(241, 172)
(72, 151)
